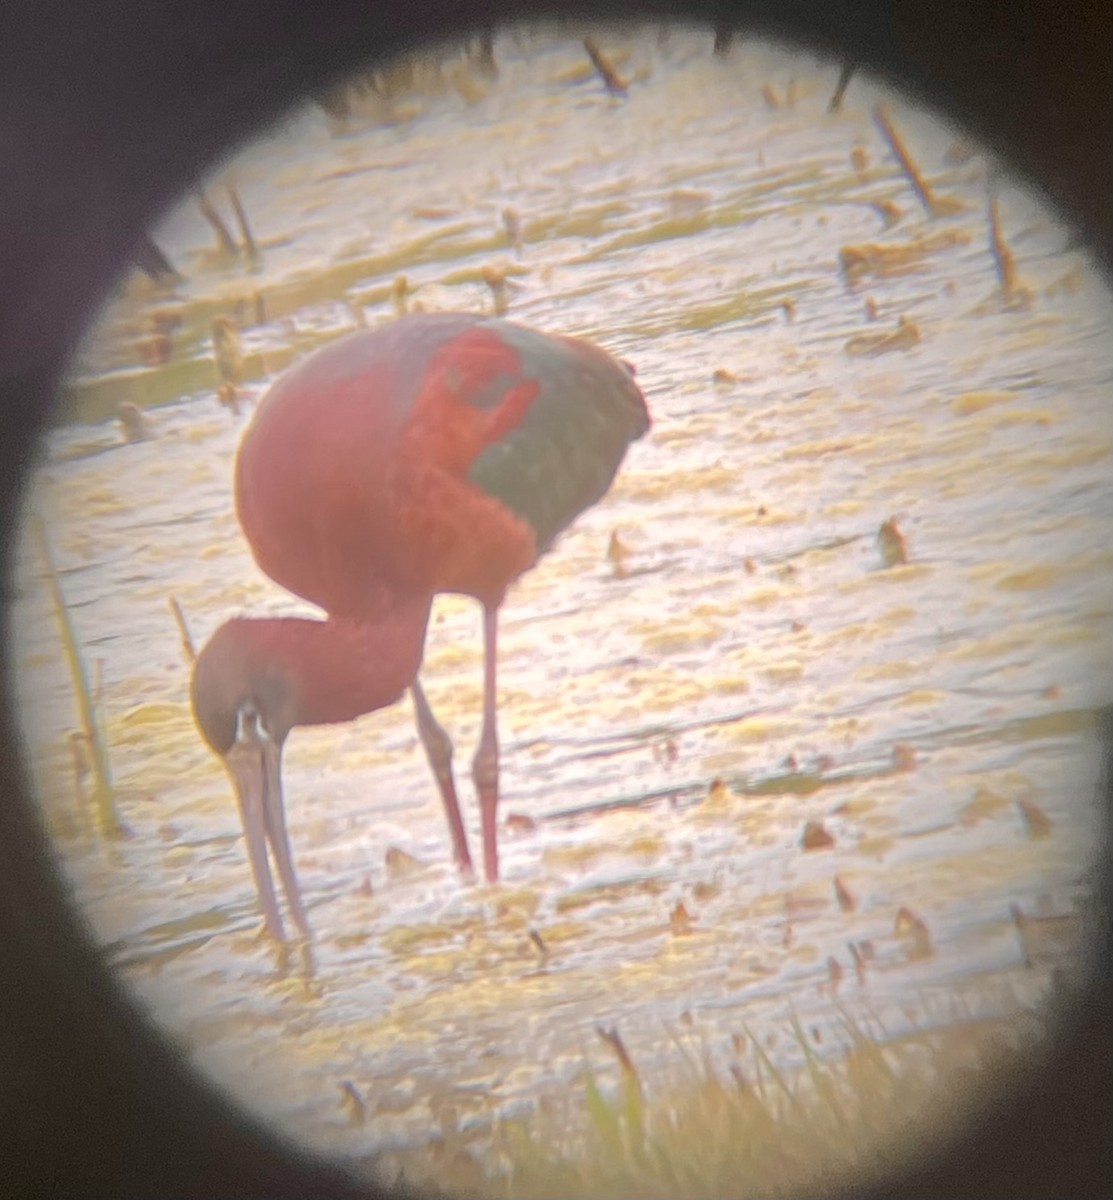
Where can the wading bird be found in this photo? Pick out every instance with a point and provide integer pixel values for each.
(440, 453)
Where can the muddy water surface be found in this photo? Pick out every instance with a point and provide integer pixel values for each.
(673, 719)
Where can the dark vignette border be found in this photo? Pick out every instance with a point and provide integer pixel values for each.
(107, 112)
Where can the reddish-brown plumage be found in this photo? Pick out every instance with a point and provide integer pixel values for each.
(383, 490)
(438, 454)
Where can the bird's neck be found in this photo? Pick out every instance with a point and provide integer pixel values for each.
(342, 669)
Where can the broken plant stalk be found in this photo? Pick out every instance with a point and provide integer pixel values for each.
(250, 247)
(224, 239)
(934, 206)
(103, 794)
(1003, 260)
(188, 648)
(613, 82)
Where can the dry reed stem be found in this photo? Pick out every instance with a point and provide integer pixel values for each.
(907, 164)
(103, 794)
(1012, 289)
(250, 248)
(613, 82)
(840, 88)
(934, 206)
(224, 239)
(188, 648)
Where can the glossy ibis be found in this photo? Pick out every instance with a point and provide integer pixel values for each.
(440, 453)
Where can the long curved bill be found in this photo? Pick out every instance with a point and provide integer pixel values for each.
(254, 763)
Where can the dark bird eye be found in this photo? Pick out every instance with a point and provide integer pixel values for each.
(687, 767)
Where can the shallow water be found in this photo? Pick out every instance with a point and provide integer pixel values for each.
(752, 634)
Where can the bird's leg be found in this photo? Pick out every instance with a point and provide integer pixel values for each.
(485, 766)
(438, 749)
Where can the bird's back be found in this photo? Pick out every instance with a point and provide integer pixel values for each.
(563, 456)
(426, 454)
